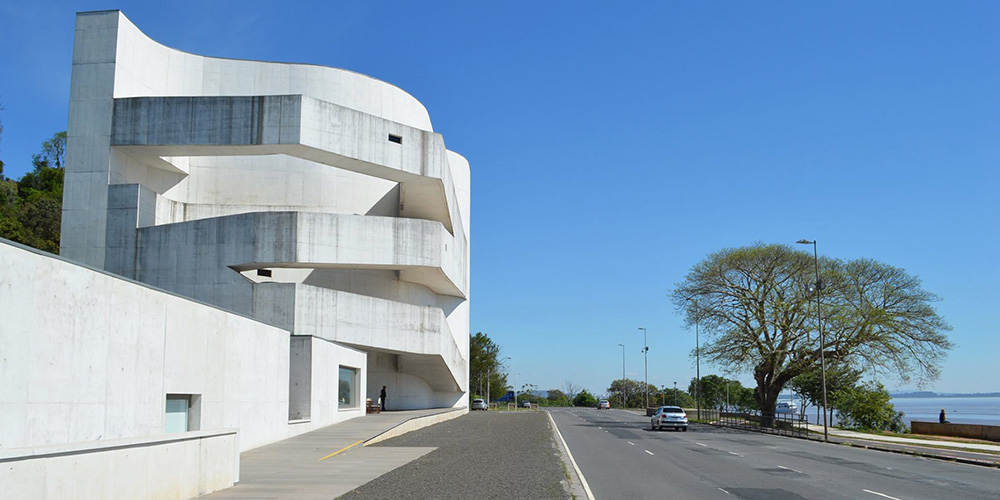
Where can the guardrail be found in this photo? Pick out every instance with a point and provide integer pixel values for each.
(787, 424)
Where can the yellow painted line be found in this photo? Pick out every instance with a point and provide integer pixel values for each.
(341, 450)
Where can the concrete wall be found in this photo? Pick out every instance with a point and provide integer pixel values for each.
(972, 431)
(177, 466)
(89, 356)
(221, 180)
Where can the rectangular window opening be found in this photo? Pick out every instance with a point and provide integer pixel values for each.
(264, 272)
(183, 413)
(396, 138)
(348, 397)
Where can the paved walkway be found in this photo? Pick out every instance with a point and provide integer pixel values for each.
(324, 463)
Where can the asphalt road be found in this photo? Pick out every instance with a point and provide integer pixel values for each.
(622, 458)
(481, 455)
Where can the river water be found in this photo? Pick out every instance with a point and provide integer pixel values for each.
(959, 410)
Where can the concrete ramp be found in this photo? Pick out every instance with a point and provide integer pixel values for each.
(329, 462)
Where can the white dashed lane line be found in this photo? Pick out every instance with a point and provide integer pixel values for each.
(791, 469)
(700, 444)
(647, 451)
(880, 494)
(631, 443)
(724, 491)
(734, 453)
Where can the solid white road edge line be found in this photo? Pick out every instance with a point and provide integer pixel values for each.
(880, 494)
(583, 480)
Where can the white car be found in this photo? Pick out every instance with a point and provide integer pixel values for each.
(669, 416)
(604, 405)
(478, 404)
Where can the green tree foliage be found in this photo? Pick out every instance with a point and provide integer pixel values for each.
(671, 396)
(840, 380)
(31, 208)
(868, 406)
(755, 306)
(584, 398)
(715, 390)
(635, 395)
(485, 369)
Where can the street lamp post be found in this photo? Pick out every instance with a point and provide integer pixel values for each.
(645, 355)
(822, 340)
(675, 393)
(490, 377)
(623, 375)
(515, 391)
(697, 357)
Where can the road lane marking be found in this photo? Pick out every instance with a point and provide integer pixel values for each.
(724, 491)
(700, 444)
(579, 473)
(647, 451)
(880, 494)
(734, 453)
(631, 443)
(791, 469)
(341, 450)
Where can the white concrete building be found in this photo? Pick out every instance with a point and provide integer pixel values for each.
(264, 245)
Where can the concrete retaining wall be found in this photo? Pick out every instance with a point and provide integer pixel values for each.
(182, 465)
(972, 431)
(417, 423)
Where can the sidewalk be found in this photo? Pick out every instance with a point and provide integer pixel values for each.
(331, 461)
(994, 448)
(967, 453)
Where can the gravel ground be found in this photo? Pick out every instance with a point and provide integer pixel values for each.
(480, 455)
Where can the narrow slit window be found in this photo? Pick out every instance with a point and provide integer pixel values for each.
(266, 273)
(398, 139)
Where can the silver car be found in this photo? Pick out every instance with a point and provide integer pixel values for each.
(669, 416)
(479, 404)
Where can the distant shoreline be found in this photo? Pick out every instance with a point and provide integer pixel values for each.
(924, 394)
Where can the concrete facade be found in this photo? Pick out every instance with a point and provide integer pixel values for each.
(238, 233)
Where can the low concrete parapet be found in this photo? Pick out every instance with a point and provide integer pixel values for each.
(183, 465)
(972, 431)
(417, 423)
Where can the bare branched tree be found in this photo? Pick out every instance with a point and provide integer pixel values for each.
(756, 307)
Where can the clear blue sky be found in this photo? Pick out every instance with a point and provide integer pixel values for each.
(613, 147)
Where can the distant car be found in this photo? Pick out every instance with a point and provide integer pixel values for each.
(525, 404)
(669, 416)
(479, 404)
(604, 405)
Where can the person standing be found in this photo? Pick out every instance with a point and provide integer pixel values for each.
(381, 400)
(942, 418)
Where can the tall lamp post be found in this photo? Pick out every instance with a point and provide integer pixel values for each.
(645, 355)
(822, 340)
(490, 377)
(623, 374)
(697, 357)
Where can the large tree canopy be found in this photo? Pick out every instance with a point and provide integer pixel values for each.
(755, 306)
(485, 370)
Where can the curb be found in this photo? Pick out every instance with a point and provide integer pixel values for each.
(922, 454)
(414, 423)
(578, 486)
(853, 443)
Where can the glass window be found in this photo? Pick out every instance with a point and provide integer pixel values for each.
(177, 414)
(348, 386)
